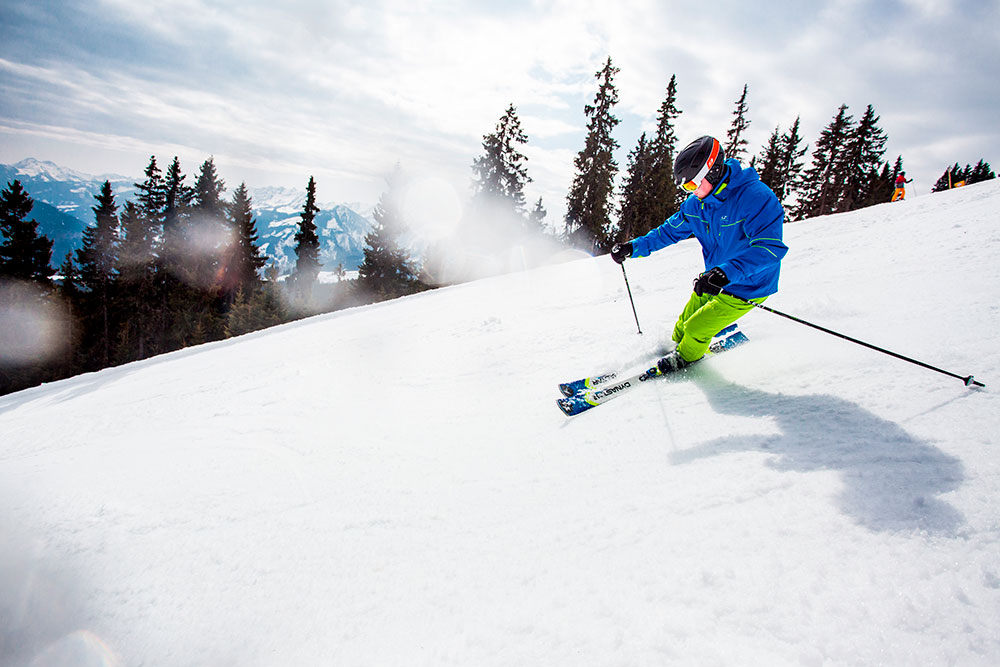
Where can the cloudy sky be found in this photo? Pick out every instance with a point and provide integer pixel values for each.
(343, 89)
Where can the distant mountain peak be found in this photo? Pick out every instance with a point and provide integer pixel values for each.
(46, 170)
(50, 171)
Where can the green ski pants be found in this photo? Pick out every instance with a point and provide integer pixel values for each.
(703, 317)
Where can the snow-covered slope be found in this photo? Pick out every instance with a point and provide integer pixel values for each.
(394, 484)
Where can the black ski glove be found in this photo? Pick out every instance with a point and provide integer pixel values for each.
(621, 251)
(711, 282)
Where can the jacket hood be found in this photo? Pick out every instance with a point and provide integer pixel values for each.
(736, 177)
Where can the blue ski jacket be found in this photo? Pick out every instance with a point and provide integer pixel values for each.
(739, 226)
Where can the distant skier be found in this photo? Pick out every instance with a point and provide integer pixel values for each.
(738, 221)
(900, 192)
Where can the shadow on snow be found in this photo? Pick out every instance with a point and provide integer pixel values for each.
(892, 481)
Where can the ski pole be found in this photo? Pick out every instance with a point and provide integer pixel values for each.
(629, 289)
(968, 379)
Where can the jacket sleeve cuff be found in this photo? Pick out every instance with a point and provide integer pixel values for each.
(732, 273)
(640, 248)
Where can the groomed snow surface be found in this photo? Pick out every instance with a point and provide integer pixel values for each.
(394, 484)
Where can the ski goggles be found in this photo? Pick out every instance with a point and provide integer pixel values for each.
(691, 186)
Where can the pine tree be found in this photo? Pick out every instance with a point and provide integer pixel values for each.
(966, 174)
(791, 168)
(735, 143)
(665, 197)
(637, 215)
(260, 308)
(770, 162)
(177, 200)
(885, 183)
(25, 258)
(69, 278)
(69, 295)
(779, 161)
(208, 189)
(146, 244)
(146, 221)
(176, 278)
(500, 174)
(496, 218)
(307, 264)
(953, 176)
(246, 258)
(862, 160)
(881, 188)
(145, 233)
(139, 239)
(253, 312)
(151, 193)
(210, 237)
(946, 180)
(98, 260)
(387, 271)
(897, 168)
(588, 221)
(137, 289)
(206, 204)
(208, 215)
(536, 219)
(981, 172)
(822, 185)
(24, 253)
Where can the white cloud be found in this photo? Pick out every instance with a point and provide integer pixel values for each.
(346, 89)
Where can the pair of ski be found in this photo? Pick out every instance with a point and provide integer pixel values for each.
(587, 393)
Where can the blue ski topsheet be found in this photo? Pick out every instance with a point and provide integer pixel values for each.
(596, 382)
(581, 395)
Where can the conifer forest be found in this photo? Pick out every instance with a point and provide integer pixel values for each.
(179, 264)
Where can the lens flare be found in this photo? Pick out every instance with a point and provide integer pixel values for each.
(205, 252)
(33, 327)
(82, 647)
(432, 207)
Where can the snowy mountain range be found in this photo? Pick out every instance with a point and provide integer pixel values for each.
(394, 485)
(64, 198)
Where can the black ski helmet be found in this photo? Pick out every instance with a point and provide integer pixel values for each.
(702, 158)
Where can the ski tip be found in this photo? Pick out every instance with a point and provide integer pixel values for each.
(738, 338)
(570, 389)
(572, 406)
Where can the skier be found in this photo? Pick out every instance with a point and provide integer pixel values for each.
(900, 192)
(738, 221)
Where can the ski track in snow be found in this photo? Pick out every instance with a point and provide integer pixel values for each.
(394, 484)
